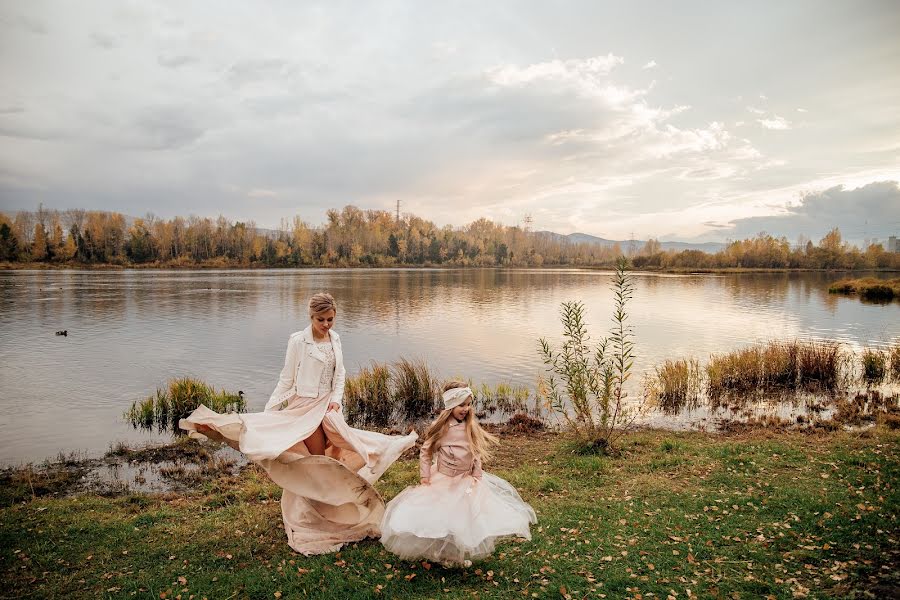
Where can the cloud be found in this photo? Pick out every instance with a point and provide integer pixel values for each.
(871, 210)
(776, 122)
(104, 40)
(586, 76)
(262, 70)
(175, 60)
(32, 24)
(262, 193)
(166, 127)
(460, 117)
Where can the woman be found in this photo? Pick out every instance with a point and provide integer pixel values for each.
(302, 441)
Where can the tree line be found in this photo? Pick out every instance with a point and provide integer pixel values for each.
(768, 252)
(355, 237)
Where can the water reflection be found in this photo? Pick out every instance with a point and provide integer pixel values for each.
(131, 331)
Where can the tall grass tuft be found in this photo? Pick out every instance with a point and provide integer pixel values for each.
(874, 366)
(895, 362)
(367, 397)
(416, 390)
(506, 400)
(775, 366)
(407, 392)
(820, 365)
(177, 400)
(677, 385)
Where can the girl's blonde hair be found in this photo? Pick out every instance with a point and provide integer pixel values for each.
(480, 441)
(321, 302)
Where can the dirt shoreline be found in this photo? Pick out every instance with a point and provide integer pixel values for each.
(37, 266)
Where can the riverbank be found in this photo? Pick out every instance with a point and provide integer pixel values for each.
(755, 514)
(219, 265)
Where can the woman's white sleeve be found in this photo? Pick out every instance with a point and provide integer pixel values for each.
(337, 388)
(288, 372)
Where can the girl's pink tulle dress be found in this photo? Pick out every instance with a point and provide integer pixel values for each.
(461, 514)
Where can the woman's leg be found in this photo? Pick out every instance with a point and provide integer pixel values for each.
(315, 443)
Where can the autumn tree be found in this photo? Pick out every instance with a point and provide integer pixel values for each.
(39, 245)
(9, 243)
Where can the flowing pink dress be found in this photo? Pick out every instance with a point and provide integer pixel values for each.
(328, 500)
(462, 513)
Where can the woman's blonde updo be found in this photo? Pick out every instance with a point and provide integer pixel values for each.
(321, 303)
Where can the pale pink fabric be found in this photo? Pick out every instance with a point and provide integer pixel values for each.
(454, 457)
(328, 500)
(459, 516)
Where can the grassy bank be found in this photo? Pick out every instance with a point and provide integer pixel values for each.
(754, 515)
(868, 288)
(218, 264)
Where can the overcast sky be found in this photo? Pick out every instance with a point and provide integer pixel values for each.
(678, 120)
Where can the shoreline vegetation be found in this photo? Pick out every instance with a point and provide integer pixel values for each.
(352, 237)
(218, 265)
(868, 288)
(406, 393)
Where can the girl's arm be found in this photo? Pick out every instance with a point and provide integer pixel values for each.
(425, 462)
(476, 468)
(286, 378)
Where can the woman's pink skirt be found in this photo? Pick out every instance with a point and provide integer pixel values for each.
(328, 500)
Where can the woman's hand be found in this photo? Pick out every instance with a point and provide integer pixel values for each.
(333, 406)
(425, 481)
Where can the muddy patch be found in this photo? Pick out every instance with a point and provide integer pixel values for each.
(181, 466)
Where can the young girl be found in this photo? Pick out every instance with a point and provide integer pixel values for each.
(458, 511)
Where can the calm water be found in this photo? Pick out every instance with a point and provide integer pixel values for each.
(130, 331)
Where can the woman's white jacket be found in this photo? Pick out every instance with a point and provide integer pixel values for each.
(303, 366)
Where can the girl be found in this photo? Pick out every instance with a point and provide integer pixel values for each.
(458, 511)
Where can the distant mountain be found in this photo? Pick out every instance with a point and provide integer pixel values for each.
(584, 238)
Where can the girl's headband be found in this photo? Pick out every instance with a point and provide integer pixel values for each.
(455, 396)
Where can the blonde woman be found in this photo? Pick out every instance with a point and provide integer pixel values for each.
(325, 466)
(457, 512)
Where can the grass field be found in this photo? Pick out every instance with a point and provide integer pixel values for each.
(677, 515)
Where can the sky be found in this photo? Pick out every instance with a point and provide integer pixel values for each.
(694, 121)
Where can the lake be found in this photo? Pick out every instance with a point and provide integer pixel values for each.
(130, 331)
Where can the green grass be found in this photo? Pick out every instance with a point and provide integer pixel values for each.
(874, 366)
(757, 515)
